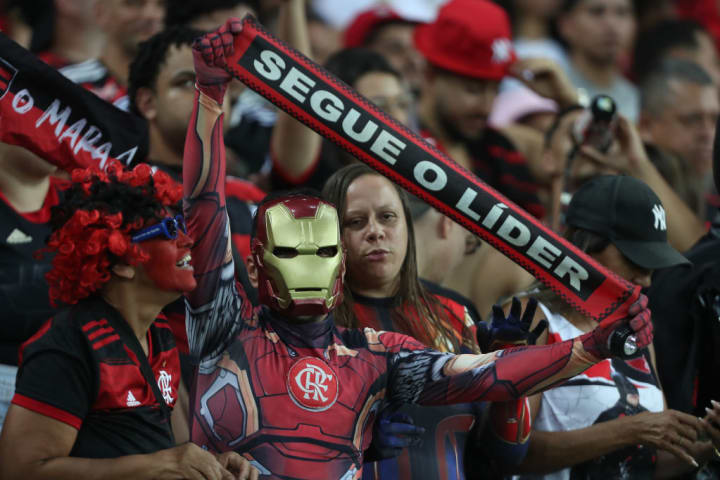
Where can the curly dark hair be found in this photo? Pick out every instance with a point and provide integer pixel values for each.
(185, 11)
(150, 57)
(93, 224)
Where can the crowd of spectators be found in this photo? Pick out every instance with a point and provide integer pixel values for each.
(511, 90)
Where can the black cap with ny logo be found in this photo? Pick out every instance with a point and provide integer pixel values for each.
(626, 211)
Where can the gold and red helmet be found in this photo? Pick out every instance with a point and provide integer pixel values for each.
(299, 256)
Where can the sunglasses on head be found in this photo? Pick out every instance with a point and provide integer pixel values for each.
(168, 226)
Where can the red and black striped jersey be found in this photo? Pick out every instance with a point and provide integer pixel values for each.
(93, 75)
(447, 428)
(80, 370)
(499, 164)
(384, 314)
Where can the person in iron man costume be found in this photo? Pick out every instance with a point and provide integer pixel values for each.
(281, 384)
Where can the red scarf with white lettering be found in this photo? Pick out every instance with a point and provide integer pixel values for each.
(59, 121)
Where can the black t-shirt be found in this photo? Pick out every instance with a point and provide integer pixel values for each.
(685, 302)
(79, 369)
(23, 288)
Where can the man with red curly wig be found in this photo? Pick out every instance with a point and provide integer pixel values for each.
(97, 383)
(281, 384)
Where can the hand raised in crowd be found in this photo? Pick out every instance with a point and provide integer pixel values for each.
(627, 155)
(238, 466)
(512, 330)
(209, 56)
(545, 78)
(596, 342)
(669, 430)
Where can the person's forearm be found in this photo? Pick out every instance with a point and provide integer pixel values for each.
(294, 147)
(204, 197)
(497, 377)
(214, 303)
(552, 451)
(137, 467)
(684, 228)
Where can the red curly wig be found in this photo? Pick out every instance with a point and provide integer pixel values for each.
(93, 224)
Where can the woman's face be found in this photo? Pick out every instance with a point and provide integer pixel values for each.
(375, 235)
(614, 260)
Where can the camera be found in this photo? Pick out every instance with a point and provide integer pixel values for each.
(595, 126)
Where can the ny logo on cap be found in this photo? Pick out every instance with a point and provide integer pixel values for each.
(659, 214)
(502, 50)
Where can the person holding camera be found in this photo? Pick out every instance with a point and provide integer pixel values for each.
(576, 158)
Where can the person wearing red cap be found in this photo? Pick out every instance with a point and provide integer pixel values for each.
(469, 49)
(389, 33)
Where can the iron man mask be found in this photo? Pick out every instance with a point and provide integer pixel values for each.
(299, 256)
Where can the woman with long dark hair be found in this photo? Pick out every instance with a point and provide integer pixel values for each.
(383, 291)
(381, 262)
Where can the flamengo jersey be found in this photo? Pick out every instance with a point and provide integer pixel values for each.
(23, 288)
(607, 390)
(78, 369)
(447, 428)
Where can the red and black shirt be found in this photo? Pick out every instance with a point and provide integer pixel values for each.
(80, 369)
(23, 288)
(499, 164)
(447, 428)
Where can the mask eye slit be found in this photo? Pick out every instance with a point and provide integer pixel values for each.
(285, 252)
(327, 252)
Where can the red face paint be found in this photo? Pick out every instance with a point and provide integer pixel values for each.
(169, 264)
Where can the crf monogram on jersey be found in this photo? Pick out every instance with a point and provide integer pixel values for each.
(312, 384)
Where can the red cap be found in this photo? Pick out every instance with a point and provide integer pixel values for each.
(469, 37)
(364, 23)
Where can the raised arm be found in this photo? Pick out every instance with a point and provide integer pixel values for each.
(215, 307)
(294, 147)
(684, 228)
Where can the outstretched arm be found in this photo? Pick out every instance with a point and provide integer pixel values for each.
(431, 378)
(215, 307)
